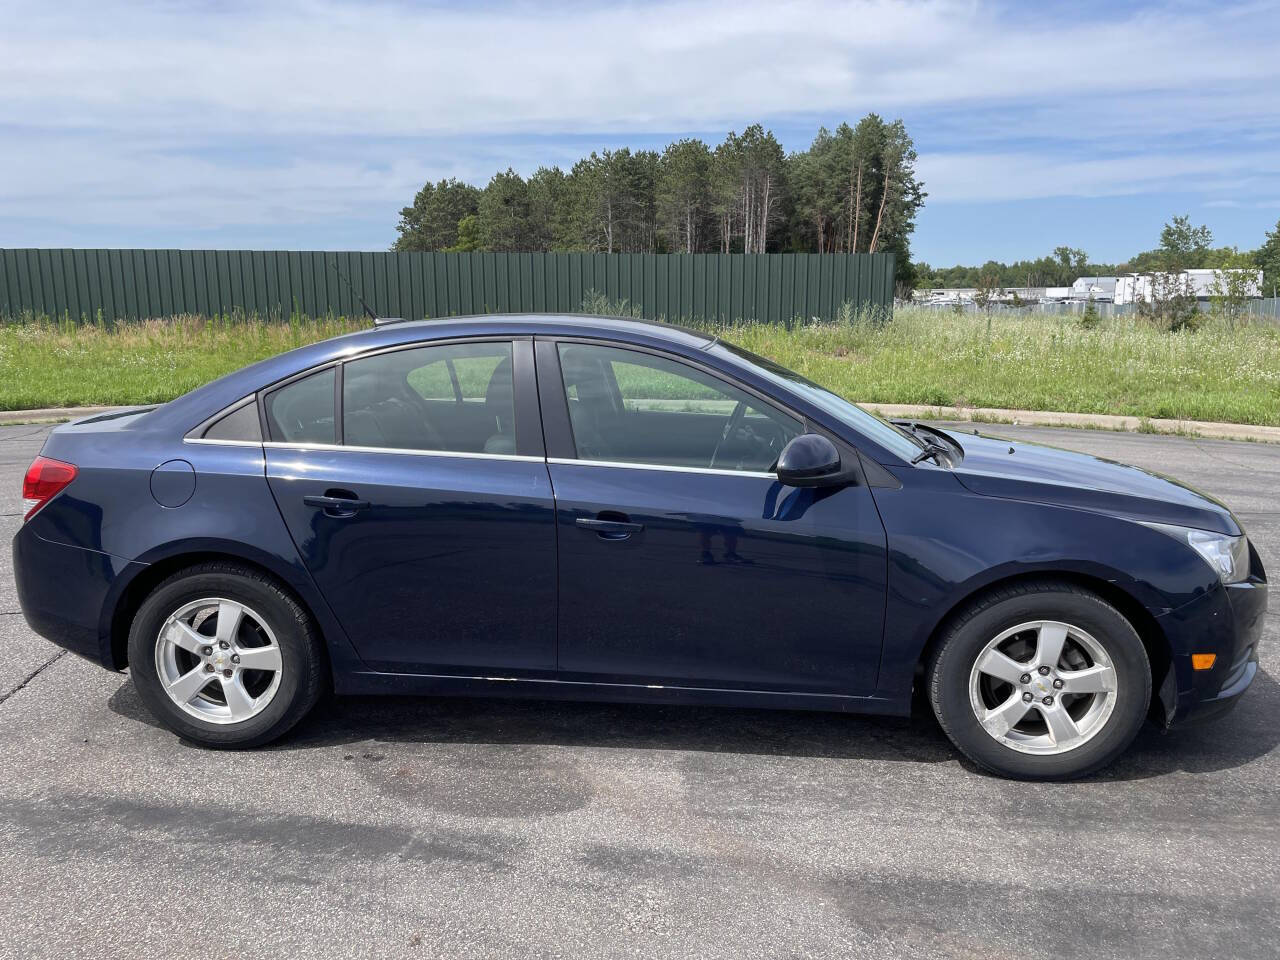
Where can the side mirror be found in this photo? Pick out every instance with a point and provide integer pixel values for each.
(810, 460)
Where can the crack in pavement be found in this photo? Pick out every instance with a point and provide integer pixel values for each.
(1216, 456)
(27, 436)
(33, 674)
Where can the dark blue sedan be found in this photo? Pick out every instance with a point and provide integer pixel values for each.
(606, 509)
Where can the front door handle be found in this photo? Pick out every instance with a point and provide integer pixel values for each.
(610, 529)
(336, 506)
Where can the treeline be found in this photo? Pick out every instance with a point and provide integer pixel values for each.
(854, 190)
(1183, 245)
(1059, 269)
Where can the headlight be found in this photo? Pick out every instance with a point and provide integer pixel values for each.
(1229, 556)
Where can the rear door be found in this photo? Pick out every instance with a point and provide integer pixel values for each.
(683, 561)
(414, 484)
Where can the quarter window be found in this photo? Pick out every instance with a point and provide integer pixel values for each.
(452, 398)
(635, 407)
(240, 424)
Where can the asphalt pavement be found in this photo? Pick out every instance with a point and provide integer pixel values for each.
(490, 828)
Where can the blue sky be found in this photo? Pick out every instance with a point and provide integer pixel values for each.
(309, 123)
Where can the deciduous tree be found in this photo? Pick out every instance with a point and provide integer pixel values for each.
(1233, 285)
(1183, 246)
(1268, 259)
(470, 237)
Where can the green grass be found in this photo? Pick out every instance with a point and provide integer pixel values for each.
(1123, 366)
(43, 364)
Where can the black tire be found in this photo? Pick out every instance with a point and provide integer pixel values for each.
(302, 673)
(947, 675)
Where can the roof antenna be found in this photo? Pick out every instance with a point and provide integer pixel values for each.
(377, 320)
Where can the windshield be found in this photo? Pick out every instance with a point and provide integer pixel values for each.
(881, 431)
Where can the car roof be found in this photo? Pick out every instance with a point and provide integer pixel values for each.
(180, 415)
(212, 397)
(620, 328)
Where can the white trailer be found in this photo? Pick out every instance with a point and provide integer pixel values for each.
(1202, 284)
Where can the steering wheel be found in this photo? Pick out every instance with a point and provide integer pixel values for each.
(732, 424)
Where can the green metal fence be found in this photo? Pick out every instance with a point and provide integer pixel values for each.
(136, 284)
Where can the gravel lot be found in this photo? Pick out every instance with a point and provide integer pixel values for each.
(488, 828)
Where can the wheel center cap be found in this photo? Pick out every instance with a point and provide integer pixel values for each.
(1043, 684)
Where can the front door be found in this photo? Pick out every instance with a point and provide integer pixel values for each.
(683, 561)
(422, 507)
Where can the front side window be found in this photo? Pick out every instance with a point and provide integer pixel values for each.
(302, 411)
(881, 431)
(451, 398)
(633, 407)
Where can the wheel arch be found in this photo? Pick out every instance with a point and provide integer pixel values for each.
(1152, 635)
(120, 610)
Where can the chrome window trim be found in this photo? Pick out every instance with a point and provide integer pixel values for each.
(223, 443)
(467, 455)
(671, 468)
(725, 377)
(510, 338)
(197, 432)
(766, 400)
(403, 451)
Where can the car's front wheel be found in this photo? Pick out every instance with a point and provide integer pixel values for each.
(1040, 681)
(224, 657)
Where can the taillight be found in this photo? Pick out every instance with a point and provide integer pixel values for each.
(44, 480)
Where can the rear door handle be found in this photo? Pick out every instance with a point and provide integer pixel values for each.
(610, 529)
(336, 506)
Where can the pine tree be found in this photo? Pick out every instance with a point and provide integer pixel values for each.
(504, 213)
(854, 190)
(432, 222)
(683, 195)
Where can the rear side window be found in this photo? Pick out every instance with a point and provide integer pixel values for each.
(451, 398)
(302, 411)
(240, 424)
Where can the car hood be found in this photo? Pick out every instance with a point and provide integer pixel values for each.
(1031, 471)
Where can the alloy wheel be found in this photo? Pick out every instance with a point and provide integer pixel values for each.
(218, 660)
(1043, 687)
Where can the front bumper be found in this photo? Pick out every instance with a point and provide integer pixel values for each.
(67, 593)
(1228, 622)
(1204, 711)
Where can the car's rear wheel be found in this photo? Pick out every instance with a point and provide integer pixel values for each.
(224, 657)
(1040, 681)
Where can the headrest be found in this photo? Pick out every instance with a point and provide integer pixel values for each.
(500, 390)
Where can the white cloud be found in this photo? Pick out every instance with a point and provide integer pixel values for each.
(96, 179)
(321, 66)
(977, 177)
(215, 114)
